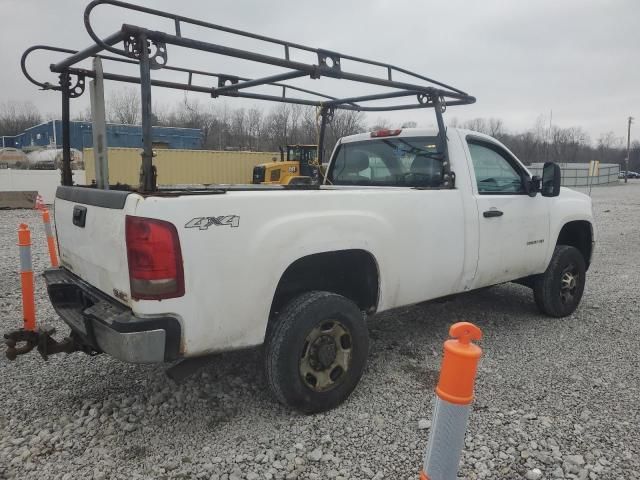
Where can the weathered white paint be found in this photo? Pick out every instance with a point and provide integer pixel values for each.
(44, 181)
(426, 244)
(97, 252)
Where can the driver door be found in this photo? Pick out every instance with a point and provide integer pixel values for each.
(513, 227)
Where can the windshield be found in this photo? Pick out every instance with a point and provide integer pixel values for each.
(396, 162)
(302, 153)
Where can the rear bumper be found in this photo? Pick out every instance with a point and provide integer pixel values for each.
(108, 326)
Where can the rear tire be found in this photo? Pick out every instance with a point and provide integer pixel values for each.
(558, 291)
(316, 351)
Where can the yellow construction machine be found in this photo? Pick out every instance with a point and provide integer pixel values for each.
(300, 166)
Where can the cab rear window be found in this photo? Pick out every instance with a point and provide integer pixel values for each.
(394, 162)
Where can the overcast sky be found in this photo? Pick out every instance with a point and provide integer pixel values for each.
(521, 59)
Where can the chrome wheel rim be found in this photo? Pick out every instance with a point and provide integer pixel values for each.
(326, 356)
(569, 284)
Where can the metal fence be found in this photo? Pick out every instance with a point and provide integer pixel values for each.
(577, 174)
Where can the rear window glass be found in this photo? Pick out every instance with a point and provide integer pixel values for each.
(396, 162)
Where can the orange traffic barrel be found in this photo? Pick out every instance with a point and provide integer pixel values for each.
(26, 278)
(452, 404)
(51, 242)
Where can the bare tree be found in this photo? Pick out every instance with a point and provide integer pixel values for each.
(15, 117)
(192, 114)
(381, 124)
(609, 140)
(277, 126)
(123, 106)
(345, 122)
(309, 126)
(161, 115)
(83, 115)
(254, 127)
(222, 126)
(566, 143)
(238, 129)
(609, 147)
(526, 146)
(296, 114)
(477, 125)
(634, 157)
(496, 127)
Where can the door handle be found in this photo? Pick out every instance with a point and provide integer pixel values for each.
(492, 213)
(79, 215)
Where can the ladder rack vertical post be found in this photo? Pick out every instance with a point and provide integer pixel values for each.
(147, 174)
(67, 177)
(442, 134)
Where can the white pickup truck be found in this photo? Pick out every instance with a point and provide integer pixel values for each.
(183, 273)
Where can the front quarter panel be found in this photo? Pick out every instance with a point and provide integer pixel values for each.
(567, 207)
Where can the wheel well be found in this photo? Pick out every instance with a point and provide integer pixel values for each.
(578, 234)
(350, 273)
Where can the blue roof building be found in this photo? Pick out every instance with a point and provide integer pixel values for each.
(118, 135)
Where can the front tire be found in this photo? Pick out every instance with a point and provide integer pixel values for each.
(316, 351)
(559, 289)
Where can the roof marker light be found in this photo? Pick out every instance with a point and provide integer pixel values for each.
(385, 132)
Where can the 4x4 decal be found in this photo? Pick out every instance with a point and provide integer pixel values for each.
(203, 223)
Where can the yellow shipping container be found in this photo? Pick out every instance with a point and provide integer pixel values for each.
(181, 166)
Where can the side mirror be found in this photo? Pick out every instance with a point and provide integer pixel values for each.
(551, 178)
(532, 185)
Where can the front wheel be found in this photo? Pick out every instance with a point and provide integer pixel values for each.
(559, 289)
(316, 351)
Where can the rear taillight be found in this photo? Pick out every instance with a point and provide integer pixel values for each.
(155, 260)
(385, 132)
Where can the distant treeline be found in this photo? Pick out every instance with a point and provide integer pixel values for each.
(267, 129)
(542, 143)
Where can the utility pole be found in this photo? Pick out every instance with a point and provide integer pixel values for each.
(626, 173)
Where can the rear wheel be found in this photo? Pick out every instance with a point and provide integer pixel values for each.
(316, 351)
(559, 289)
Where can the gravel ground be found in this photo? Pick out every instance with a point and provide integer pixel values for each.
(555, 398)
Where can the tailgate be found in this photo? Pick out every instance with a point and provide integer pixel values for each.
(90, 226)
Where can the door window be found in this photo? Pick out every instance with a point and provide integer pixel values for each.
(495, 170)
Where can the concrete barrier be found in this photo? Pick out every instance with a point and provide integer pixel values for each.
(43, 182)
(18, 199)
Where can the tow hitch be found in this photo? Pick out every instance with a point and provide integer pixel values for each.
(22, 341)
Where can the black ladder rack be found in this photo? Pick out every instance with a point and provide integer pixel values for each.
(148, 49)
